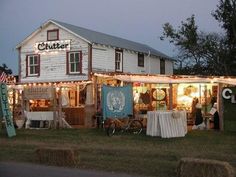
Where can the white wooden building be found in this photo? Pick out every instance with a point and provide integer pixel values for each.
(57, 51)
(67, 56)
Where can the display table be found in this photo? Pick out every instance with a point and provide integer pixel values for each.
(38, 116)
(166, 124)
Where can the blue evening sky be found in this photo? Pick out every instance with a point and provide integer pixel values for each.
(137, 20)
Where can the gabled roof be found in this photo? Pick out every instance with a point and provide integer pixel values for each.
(105, 39)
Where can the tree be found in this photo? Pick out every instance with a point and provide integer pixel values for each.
(226, 16)
(205, 53)
(5, 68)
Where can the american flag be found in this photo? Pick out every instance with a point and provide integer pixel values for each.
(3, 76)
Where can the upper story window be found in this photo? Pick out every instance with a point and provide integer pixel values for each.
(53, 35)
(141, 60)
(162, 66)
(74, 62)
(119, 61)
(32, 65)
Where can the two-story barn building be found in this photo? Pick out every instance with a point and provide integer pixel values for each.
(66, 56)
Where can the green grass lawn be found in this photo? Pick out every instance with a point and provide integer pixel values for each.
(133, 154)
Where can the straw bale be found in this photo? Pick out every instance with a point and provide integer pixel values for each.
(191, 167)
(57, 156)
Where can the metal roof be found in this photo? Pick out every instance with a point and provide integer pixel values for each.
(109, 40)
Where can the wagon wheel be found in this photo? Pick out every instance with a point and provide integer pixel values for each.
(135, 127)
(111, 129)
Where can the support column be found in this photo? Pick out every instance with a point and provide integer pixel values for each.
(95, 86)
(220, 105)
(89, 95)
(60, 108)
(150, 108)
(171, 97)
(54, 107)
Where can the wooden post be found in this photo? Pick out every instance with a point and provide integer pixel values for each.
(26, 104)
(95, 93)
(14, 102)
(150, 108)
(205, 97)
(60, 108)
(90, 57)
(54, 100)
(21, 97)
(89, 95)
(200, 94)
(77, 95)
(220, 105)
(171, 97)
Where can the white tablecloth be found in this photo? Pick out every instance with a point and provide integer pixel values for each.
(40, 115)
(166, 124)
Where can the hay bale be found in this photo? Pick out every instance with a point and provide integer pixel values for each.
(57, 156)
(191, 167)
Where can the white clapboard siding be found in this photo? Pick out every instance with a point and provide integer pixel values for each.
(130, 63)
(53, 65)
(153, 65)
(169, 67)
(103, 59)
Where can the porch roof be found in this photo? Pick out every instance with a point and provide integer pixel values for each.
(170, 79)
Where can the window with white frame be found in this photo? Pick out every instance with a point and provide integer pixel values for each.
(119, 61)
(74, 62)
(32, 65)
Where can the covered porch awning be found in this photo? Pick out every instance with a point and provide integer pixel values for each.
(169, 79)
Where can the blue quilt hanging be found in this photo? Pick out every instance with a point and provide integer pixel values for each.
(117, 101)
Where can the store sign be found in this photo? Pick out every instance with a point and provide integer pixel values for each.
(52, 46)
(36, 92)
(229, 111)
(5, 111)
(227, 93)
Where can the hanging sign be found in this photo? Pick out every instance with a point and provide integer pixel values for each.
(229, 111)
(117, 101)
(36, 92)
(5, 112)
(227, 93)
(52, 46)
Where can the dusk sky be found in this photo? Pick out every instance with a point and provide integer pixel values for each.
(136, 20)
